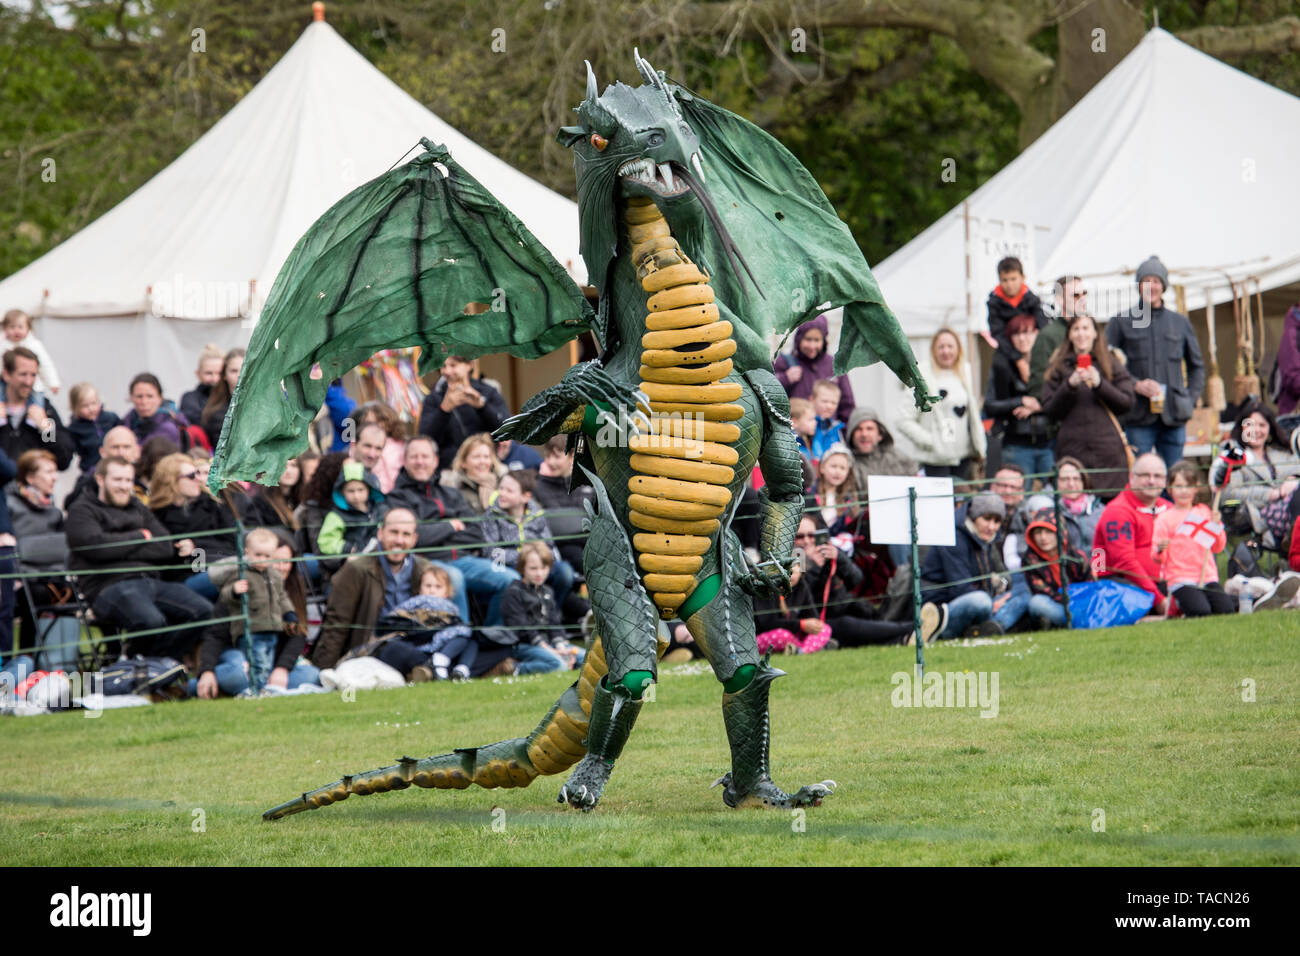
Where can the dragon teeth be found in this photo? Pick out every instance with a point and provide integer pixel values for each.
(666, 172)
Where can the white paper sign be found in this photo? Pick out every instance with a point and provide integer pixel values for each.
(891, 518)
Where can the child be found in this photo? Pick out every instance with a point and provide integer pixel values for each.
(830, 430)
(436, 642)
(270, 612)
(89, 423)
(786, 624)
(1044, 581)
(532, 616)
(1184, 540)
(18, 330)
(804, 421)
(208, 373)
(514, 517)
(1012, 297)
(352, 520)
(837, 490)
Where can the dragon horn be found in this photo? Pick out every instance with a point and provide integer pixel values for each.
(593, 90)
(646, 70)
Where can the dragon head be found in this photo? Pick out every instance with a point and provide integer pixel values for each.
(635, 141)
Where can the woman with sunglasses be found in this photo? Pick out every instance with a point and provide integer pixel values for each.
(186, 507)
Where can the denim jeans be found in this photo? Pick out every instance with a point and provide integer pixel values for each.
(231, 673)
(971, 608)
(1165, 441)
(1014, 607)
(263, 659)
(535, 660)
(1043, 608)
(1035, 461)
(486, 579)
(201, 584)
(141, 604)
(14, 672)
(303, 673)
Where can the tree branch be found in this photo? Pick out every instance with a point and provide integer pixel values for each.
(1279, 36)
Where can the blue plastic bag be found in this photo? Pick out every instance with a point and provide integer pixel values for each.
(1107, 603)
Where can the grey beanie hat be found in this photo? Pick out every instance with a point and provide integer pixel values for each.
(986, 503)
(1154, 267)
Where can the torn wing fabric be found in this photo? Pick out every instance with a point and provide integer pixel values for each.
(393, 264)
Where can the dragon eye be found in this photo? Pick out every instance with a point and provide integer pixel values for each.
(599, 142)
(655, 139)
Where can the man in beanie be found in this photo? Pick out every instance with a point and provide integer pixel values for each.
(958, 605)
(1156, 343)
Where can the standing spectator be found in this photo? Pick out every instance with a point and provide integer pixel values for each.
(1127, 529)
(474, 472)
(830, 430)
(1088, 401)
(1266, 484)
(1080, 509)
(271, 615)
(1069, 298)
(516, 456)
(214, 412)
(1187, 536)
(208, 372)
(90, 423)
(392, 448)
(966, 581)
(1288, 364)
(565, 509)
(1157, 342)
(1012, 297)
(340, 406)
(30, 419)
(460, 406)
(1017, 413)
(18, 330)
(149, 419)
(113, 532)
(810, 362)
(1048, 571)
(357, 502)
(950, 436)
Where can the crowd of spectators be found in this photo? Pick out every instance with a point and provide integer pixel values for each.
(448, 555)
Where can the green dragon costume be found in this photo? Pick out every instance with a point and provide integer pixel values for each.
(668, 423)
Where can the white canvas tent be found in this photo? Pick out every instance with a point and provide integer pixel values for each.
(1172, 153)
(192, 254)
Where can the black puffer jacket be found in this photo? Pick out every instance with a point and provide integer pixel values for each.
(102, 537)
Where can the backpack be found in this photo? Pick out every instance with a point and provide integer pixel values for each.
(146, 676)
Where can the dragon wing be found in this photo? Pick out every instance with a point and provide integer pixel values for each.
(804, 257)
(422, 255)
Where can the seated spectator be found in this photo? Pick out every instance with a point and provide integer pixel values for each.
(18, 332)
(830, 430)
(383, 457)
(90, 423)
(1017, 415)
(1294, 557)
(295, 574)
(1010, 298)
(214, 412)
(1009, 485)
(1187, 536)
(811, 361)
(356, 505)
(431, 639)
(459, 407)
(148, 419)
(950, 437)
(271, 616)
(967, 607)
(564, 509)
(12, 664)
(208, 372)
(836, 496)
(369, 586)
(1126, 530)
(1266, 484)
(185, 507)
(113, 531)
(830, 580)
(273, 505)
(152, 452)
(786, 623)
(1080, 509)
(308, 462)
(530, 614)
(803, 419)
(514, 518)
(118, 442)
(1086, 389)
(474, 472)
(1047, 571)
(873, 448)
(516, 456)
(31, 496)
(317, 499)
(30, 420)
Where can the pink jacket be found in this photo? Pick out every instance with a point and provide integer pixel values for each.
(1184, 561)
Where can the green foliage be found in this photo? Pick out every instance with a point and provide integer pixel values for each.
(1146, 723)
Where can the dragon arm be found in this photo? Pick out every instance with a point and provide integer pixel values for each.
(782, 493)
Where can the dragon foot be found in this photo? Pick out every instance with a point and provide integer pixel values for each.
(767, 795)
(586, 784)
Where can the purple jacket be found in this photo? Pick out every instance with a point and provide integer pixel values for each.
(166, 423)
(821, 367)
(1288, 364)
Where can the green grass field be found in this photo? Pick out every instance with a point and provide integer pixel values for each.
(1147, 725)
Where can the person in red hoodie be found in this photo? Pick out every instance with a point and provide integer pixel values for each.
(1044, 569)
(1122, 545)
(1294, 558)
(1009, 298)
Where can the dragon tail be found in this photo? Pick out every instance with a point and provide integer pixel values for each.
(555, 745)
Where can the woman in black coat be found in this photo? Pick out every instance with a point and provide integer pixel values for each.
(185, 507)
(1088, 399)
(1018, 416)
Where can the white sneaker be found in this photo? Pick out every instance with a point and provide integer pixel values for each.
(1280, 594)
(934, 618)
(1259, 588)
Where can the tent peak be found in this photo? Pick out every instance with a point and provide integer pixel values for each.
(318, 12)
